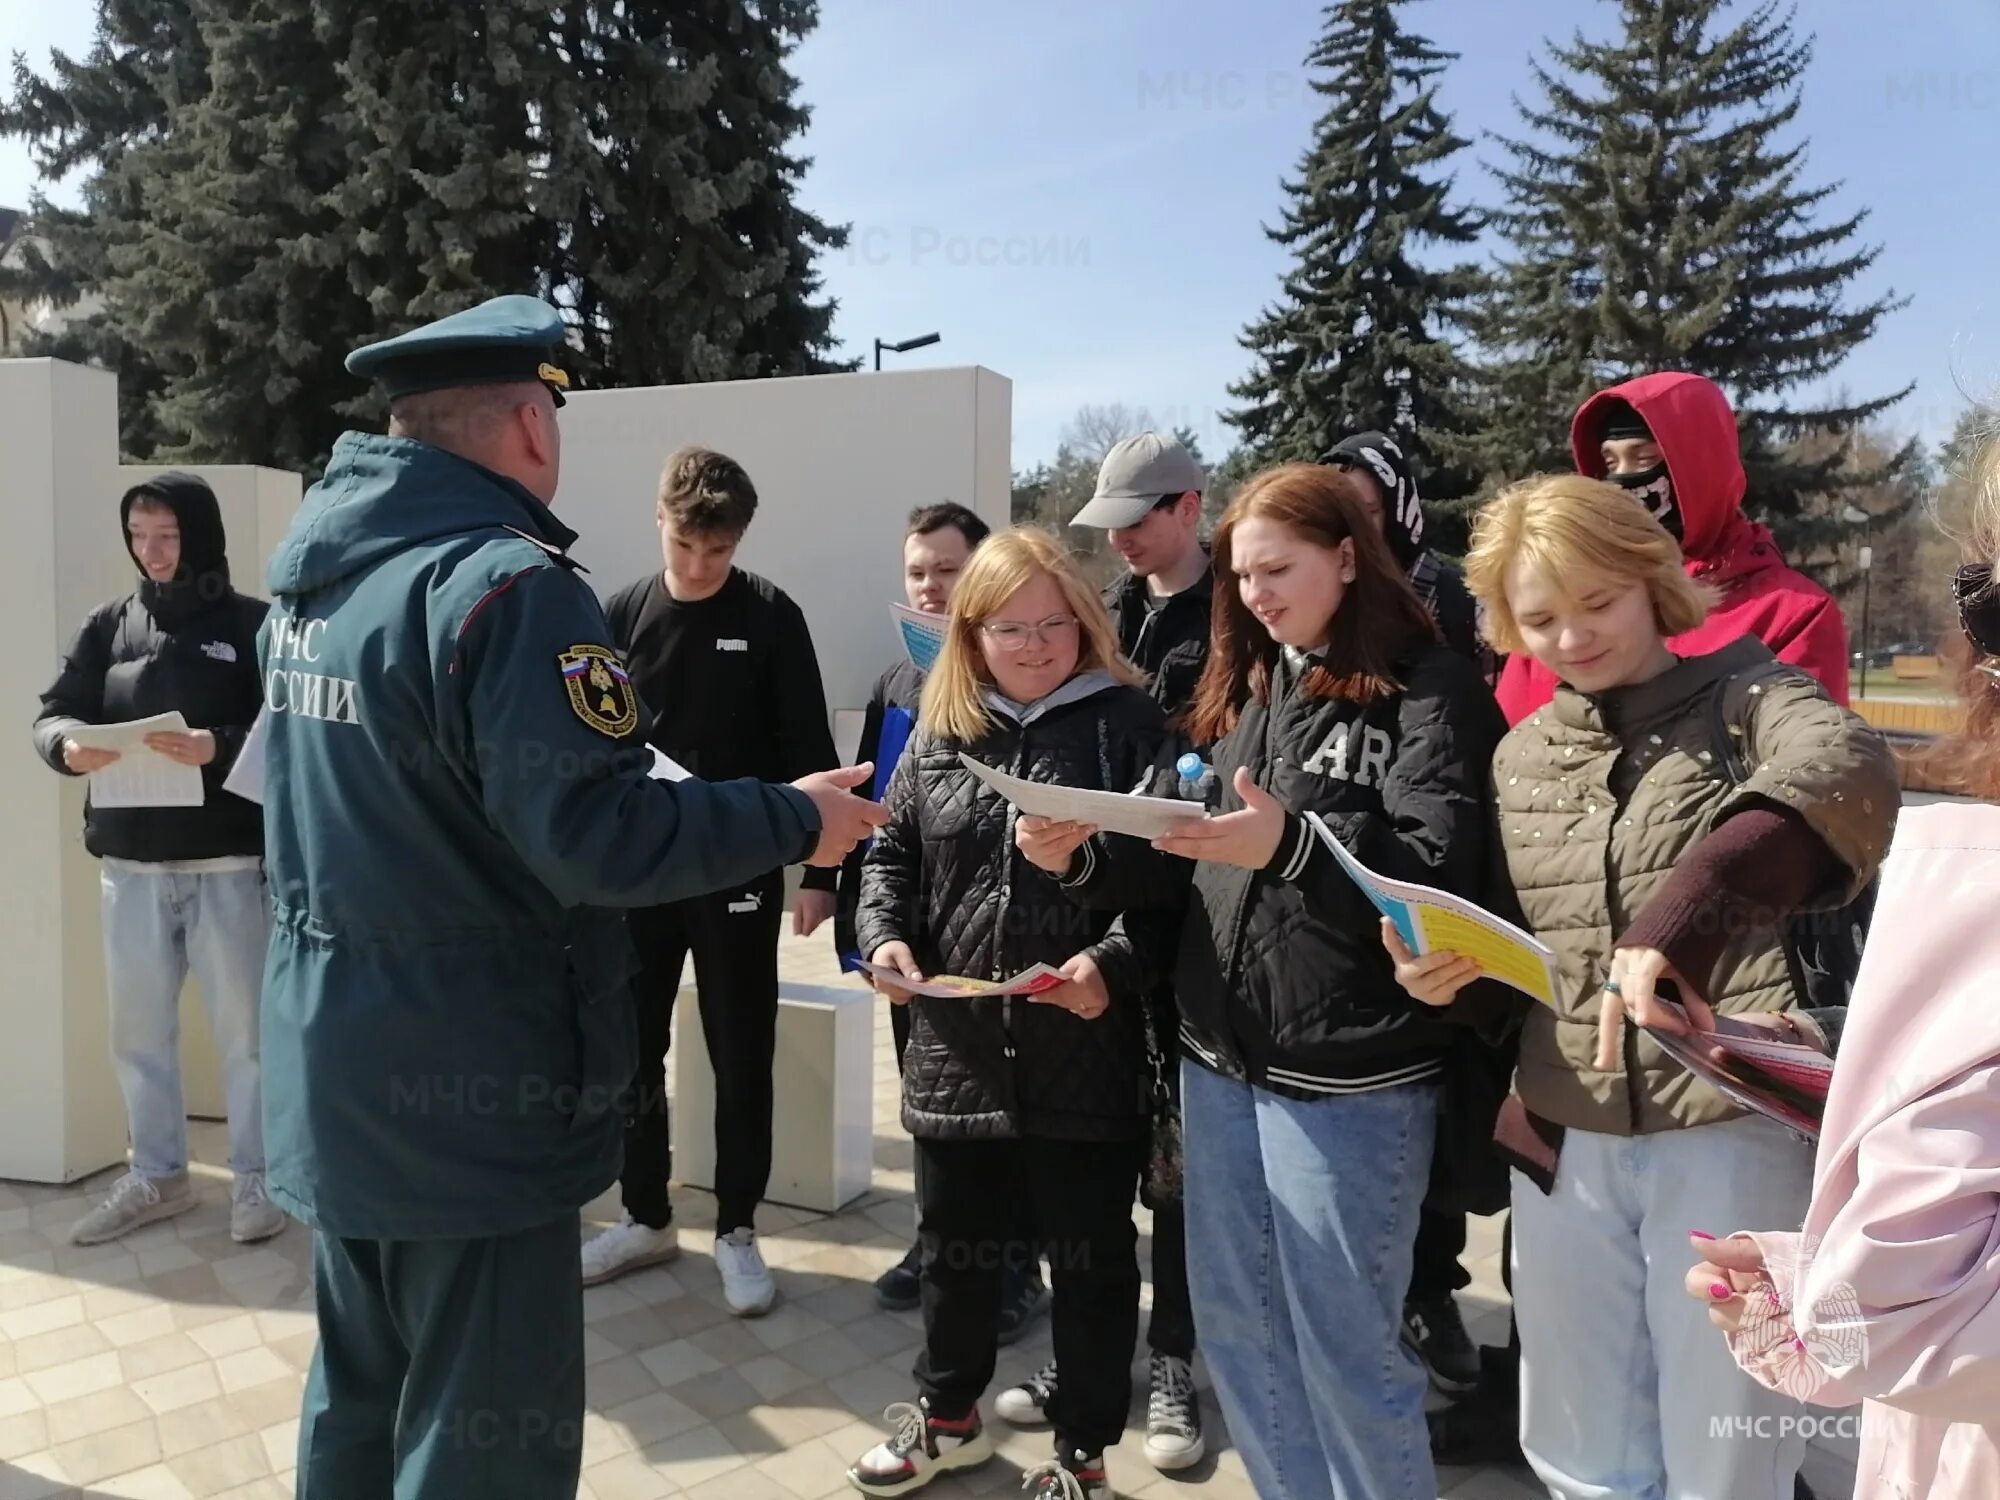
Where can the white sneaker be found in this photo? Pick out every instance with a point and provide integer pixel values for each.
(627, 1246)
(132, 1202)
(1027, 1404)
(1173, 1416)
(252, 1214)
(746, 1281)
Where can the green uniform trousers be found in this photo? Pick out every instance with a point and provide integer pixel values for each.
(446, 1369)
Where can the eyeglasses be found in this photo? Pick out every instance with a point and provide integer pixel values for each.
(1011, 635)
(1978, 606)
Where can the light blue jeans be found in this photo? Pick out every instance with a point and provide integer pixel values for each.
(157, 926)
(1300, 1222)
(1627, 1389)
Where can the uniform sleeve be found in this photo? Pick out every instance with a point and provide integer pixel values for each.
(77, 695)
(567, 785)
(1817, 645)
(805, 737)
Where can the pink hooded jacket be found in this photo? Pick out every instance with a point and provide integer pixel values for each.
(1891, 1293)
(1761, 596)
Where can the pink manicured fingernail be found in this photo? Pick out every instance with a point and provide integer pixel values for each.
(1696, 1234)
(1721, 1291)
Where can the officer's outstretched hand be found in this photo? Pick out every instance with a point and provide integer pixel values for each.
(844, 819)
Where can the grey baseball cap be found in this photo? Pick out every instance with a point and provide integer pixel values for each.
(1135, 476)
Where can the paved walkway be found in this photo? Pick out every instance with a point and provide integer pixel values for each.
(169, 1365)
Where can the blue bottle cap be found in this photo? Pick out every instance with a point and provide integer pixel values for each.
(1190, 766)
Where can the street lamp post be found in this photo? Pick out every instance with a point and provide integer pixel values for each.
(903, 348)
(1867, 560)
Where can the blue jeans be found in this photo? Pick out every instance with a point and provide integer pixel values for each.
(157, 926)
(1300, 1221)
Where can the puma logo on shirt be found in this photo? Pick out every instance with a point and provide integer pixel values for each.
(730, 644)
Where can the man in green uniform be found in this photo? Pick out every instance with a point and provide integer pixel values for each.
(456, 802)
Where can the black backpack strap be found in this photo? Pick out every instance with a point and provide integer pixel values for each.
(1724, 736)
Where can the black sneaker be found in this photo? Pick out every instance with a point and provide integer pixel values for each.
(1022, 1295)
(1069, 1476)
(900, 1288)
(1485, 1427)
(1436, 1332)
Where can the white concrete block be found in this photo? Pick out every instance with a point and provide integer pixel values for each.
(822, 1129)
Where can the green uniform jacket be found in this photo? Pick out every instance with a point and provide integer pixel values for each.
(456, 798)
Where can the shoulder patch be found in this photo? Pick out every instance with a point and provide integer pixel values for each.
(599, 689)
(555, 553)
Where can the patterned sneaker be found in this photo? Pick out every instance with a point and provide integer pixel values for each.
(1173, 1417)
(132, 1202)
(921, 1448)
(252, 1214)
(1071, 1476)
(626, 1246)
(1027, 1404)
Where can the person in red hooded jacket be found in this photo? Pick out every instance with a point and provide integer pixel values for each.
(1670, 441)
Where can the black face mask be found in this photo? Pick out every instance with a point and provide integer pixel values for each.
(1654, 489)
(1978, 606)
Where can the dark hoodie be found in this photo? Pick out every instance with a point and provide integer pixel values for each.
(1761, 596)
(188, 644)
(1440, 585)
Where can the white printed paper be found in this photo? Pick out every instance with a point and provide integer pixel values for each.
(666, 768)
(246, 777)
(1114, 812)
(920, 635)
(140, 777)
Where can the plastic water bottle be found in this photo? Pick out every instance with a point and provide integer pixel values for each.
(1196, 781)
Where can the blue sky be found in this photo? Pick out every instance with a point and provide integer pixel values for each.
(1074, 194)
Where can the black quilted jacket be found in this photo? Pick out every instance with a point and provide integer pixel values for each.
(943, 876)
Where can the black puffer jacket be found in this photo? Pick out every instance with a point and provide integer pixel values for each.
(1281, 975)
(188, 644)
(944, 877)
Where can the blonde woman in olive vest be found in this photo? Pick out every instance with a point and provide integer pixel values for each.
(1654, 876)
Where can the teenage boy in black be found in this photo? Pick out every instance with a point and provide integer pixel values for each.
(726, 663)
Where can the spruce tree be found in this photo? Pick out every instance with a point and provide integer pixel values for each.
(673, 184)
(278, 182)
(1362, 334)
(1656, 218)
(102, 112)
